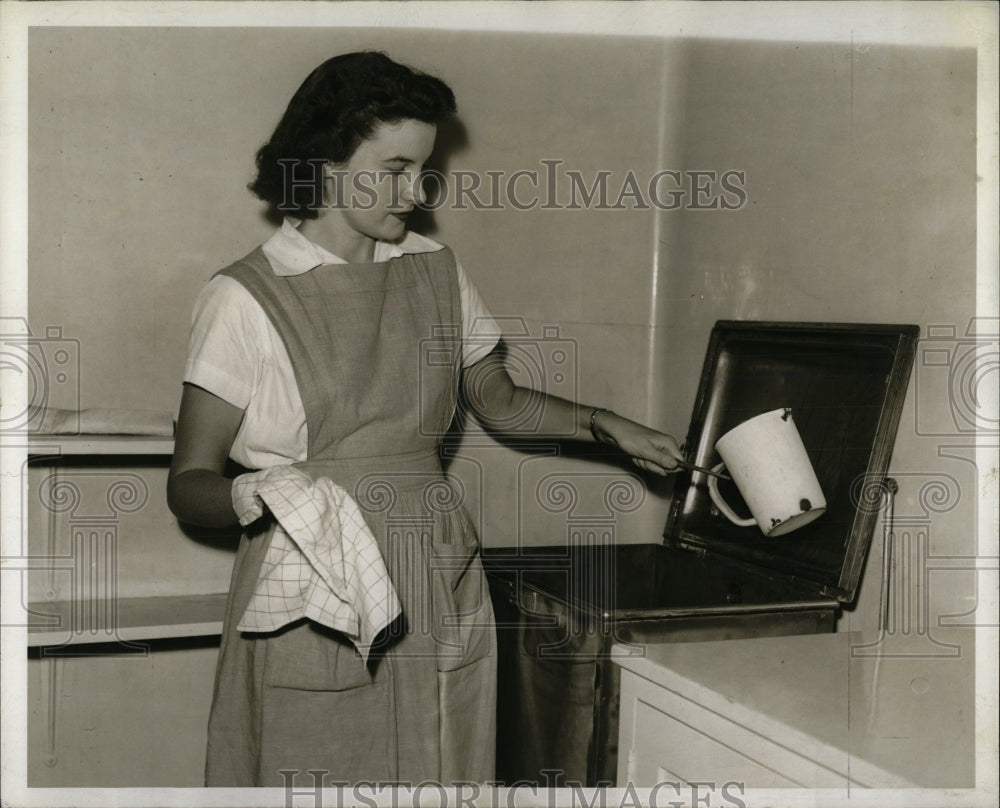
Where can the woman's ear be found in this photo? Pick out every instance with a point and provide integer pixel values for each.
(333, 185)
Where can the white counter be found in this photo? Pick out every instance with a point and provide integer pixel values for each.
(817, 711)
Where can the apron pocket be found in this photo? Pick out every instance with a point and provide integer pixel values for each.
(465, 626)
(308, 656)
(344, 735)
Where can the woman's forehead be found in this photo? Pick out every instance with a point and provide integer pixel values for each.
(410, 139)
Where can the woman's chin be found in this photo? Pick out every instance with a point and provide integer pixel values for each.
(395, 229)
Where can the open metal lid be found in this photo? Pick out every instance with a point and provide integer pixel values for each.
(845, 384)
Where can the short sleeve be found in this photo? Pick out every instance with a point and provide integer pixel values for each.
(480, 332)
(225, 338)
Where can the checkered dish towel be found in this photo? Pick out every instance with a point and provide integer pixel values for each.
(323, 562)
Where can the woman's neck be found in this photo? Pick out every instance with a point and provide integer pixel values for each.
(344, 242)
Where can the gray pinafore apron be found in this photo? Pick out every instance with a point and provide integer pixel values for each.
(376, 351)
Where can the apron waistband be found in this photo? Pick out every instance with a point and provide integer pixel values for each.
(370, 480)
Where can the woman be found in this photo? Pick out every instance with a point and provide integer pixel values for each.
(309, 362)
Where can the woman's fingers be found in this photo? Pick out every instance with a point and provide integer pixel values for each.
(649, 466)
(659, 456)
(650, 450)
(667, 453)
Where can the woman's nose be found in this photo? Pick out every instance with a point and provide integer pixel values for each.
(412, 190)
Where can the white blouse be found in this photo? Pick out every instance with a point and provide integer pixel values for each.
(236, 354)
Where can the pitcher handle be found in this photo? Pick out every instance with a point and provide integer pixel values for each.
(720, 503)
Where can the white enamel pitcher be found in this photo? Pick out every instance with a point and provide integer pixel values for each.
(768, 462)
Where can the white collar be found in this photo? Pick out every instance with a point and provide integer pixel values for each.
(291, 253)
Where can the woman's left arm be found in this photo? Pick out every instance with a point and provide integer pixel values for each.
(505, 408)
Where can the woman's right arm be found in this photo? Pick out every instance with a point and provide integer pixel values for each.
(197, 491)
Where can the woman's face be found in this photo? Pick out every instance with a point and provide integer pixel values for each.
(372, 194)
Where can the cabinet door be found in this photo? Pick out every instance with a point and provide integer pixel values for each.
(668, 738)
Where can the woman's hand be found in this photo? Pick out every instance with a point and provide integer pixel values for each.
(650, 450)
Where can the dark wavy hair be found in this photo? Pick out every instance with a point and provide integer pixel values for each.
(338, 106)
